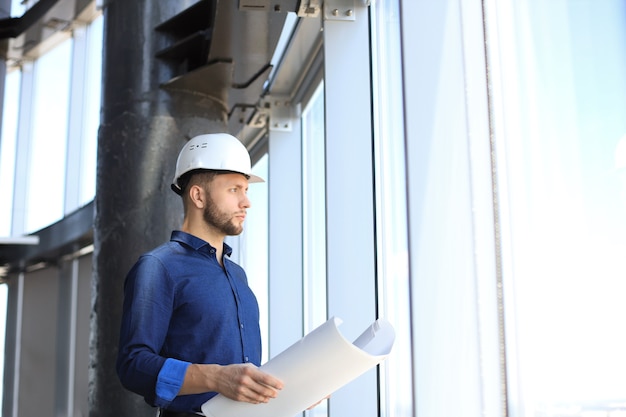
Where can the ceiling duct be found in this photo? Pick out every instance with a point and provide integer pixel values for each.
(12, 27)
(223, 49)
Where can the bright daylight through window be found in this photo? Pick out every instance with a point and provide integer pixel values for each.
(562, 87)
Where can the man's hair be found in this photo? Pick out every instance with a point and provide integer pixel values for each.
(200, 177)
(196, 176)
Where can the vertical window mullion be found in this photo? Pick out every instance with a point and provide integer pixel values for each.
(285, 235)
(314, 204)
(351, 269)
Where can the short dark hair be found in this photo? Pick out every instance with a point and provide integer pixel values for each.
(195, 176)
(198, 176)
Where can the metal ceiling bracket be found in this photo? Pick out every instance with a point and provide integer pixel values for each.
(269, 6)
(257, 5)
(280, 113)
(310, 8)
(339, 9)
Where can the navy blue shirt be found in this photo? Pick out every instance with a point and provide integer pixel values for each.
(182, 307)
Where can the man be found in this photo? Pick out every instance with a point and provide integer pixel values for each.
(190, 325)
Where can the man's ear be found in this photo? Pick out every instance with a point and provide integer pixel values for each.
(197, 196)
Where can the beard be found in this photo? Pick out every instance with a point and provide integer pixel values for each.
(220, 220)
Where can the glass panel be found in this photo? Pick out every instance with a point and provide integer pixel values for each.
(46, 179)
(255, 253)
(314, 220)
(18, 7)
(563, 91)
(8, 149)
(392, 245)
(314, 212)
(92, 112)
(3, 320)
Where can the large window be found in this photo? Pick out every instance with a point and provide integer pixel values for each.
(560, 101)
(8, 149)
(46, 162)
(91, 114)
(49, 132)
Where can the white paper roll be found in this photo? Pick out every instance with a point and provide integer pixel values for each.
(311, 369)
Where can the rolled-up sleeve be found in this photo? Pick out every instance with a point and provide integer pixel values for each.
(170, 380)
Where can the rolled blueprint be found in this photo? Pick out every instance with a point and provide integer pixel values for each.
(311, 369)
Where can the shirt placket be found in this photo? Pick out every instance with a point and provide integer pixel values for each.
(240, 318)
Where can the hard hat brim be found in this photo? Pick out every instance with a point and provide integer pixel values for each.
(250, 177)
(254, 178)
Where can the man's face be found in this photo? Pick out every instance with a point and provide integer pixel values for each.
(227, 201)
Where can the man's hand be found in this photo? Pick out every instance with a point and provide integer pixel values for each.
(239, 382)
(247, 383)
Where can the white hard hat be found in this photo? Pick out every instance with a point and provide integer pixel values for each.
(216, 152)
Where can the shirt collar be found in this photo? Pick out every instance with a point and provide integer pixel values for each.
(195, 242)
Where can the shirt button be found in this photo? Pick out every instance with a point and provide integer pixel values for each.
(241, 325)
(246, 359)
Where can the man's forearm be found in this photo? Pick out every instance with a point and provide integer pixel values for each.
(240, 382)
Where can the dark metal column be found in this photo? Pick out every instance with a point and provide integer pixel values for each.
(142, 129)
